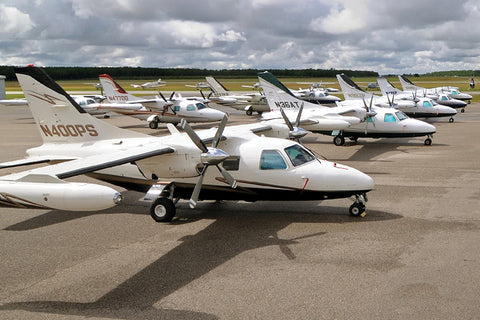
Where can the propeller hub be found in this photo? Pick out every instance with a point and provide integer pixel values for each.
(213, 156)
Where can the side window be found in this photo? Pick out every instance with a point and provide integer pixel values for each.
(371, 119)
(390, 117)
(176, 108)
(272, 160)
(427, 104)
(191, 107)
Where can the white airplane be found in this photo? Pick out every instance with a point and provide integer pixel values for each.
(433, 93)
(317, 95)
(153, 84)
(250, 167)
(351, 91)
(387, 123)
(311, 116)
(250, 102)
(158, 109)
(424, 107)
(3, 96)
(90, 105)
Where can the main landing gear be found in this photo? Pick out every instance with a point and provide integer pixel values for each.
(163, 208)
(357, 209)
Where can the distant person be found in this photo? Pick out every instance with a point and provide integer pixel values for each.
(472, 83)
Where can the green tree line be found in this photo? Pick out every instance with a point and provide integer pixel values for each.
(78, 73)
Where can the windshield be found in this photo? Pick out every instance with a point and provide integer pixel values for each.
(299, 155)
(401, 116)
(201, 106)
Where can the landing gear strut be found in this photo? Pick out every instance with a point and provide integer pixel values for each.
(163, 208)
(428, 141)
(357, 209)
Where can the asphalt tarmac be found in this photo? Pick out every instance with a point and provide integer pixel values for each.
(415, 255)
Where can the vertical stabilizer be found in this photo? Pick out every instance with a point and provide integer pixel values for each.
(350, 90)
(58, 117)
(386, 87)
(407, 85)
(217, 88)
(114, 92)
(3, 93)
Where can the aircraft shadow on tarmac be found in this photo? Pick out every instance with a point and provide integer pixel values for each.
(235, 230)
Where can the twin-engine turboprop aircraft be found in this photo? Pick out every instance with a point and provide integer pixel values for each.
(248, 166)
(376, 122)
(160, 110)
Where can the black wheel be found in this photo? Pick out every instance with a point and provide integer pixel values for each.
(259, 113)
(357, 209)
(428, 142)
(249, 112)
(354, 139)
(153, 124)
(162, 210)
(462, 111)
(339, 140)
(451, 120)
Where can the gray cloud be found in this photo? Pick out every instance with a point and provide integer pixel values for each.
(385, 36)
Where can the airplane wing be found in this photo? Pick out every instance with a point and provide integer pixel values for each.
(34, 160)
(94, 163)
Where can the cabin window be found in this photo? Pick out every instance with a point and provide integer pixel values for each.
(427, 104)
(200, 106)
(272, 160)
(298, 155)
(90, 101)
(371, 119)
(390, 117)
(176, 108)
(191, 107)
(82, 103)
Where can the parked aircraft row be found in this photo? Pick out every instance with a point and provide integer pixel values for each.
(250, 164)
(257, 161)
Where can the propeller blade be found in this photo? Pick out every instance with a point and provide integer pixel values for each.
(171, 96)
(163, 97)
(299, 116)
(196, 191)
(195, 138)
(287, 121)
(231, 180)
(218, 134)
(203, 96)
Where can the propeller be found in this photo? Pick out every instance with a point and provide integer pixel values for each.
(209, 156)
(168, 104)
(370, 113)
(295, 132)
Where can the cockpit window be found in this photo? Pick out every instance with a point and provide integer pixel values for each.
(444, 98)
(298, 155)
(454, 92)
(400, 115)
(389, 117)
(201, 106)
(191, 107)
(90, 101)
(272, 160)
(427, 104)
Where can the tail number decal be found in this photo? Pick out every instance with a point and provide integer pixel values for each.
(69, 130)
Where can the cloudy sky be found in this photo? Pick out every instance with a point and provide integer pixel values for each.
(385, 36)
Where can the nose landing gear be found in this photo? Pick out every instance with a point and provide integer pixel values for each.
(357, 209)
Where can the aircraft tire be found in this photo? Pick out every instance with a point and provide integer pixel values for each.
(339, 140)
(153, 124)
(451, 120)
(357, 209)
(162, 210)
(249, 112)
(462, 111)
(428, 142)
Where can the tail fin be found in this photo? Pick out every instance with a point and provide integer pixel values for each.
(3, 92)
(350, 89)
(114, 92)
(278, 96)
(408, 85)
(217, 88)
(386, 87)
(58, 117)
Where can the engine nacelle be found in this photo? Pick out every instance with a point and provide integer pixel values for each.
(58, 194)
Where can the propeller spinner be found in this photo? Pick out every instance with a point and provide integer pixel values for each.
(210, 156)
